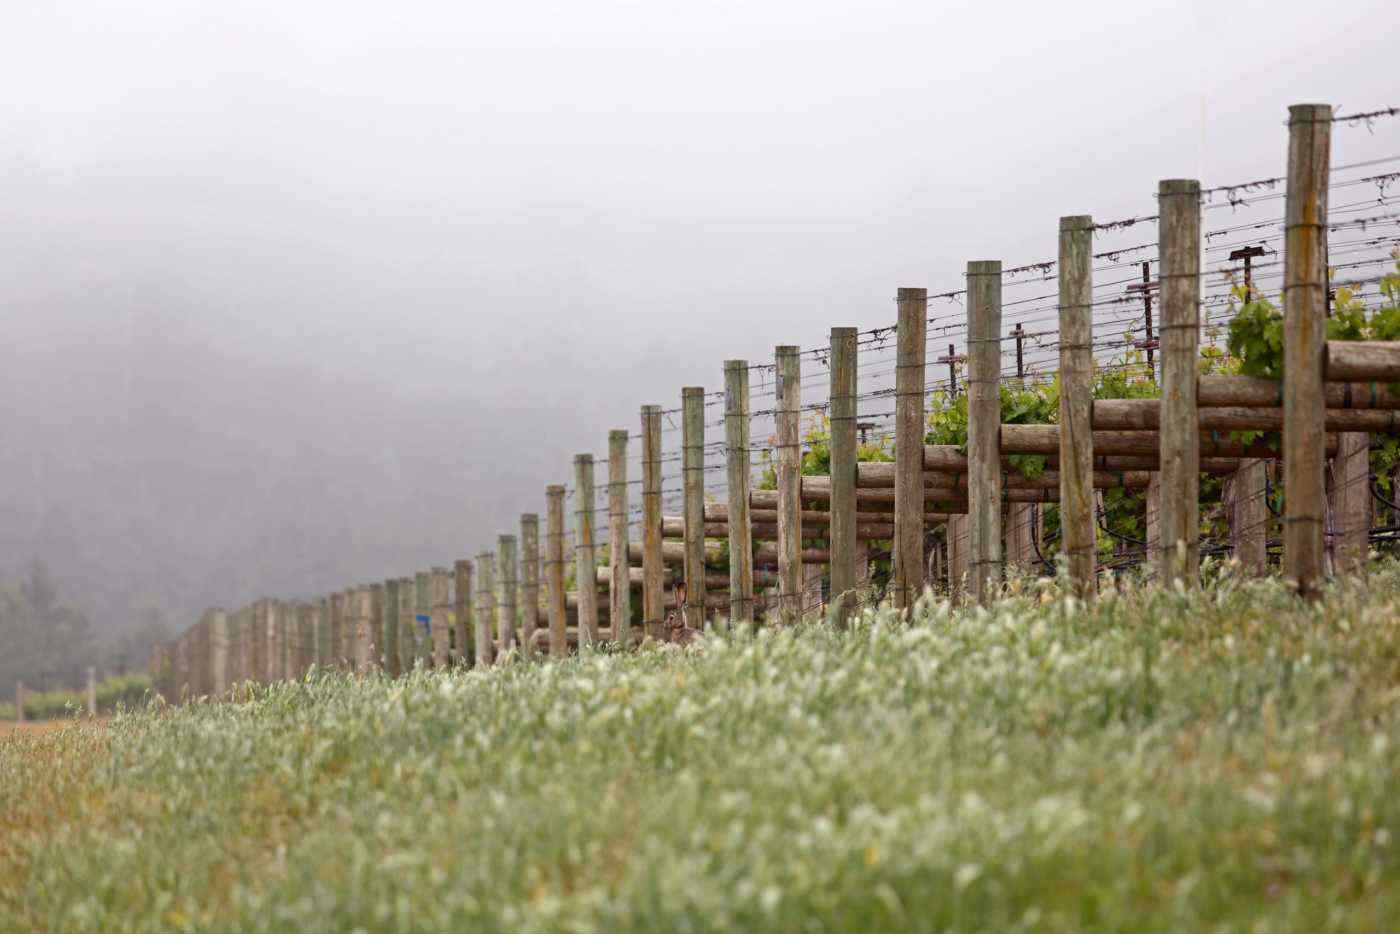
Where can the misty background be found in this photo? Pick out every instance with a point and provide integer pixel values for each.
(297, 295)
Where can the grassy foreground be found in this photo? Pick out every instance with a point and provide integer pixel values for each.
(1154, 761)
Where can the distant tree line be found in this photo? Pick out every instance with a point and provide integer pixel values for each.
(48, 643)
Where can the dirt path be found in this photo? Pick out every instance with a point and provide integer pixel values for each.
(39, 727)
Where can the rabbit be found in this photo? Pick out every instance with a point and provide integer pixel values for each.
(677, 632)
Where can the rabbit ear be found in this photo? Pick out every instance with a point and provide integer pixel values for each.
(680, 595)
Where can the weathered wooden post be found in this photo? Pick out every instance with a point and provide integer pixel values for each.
(1076, 281)
(843, 473)
(1251, 529)
(365, 648)
(439, 610)
(180, 668)
(983, 428)
(375, 651)
(485, 609)
(554, 571)
(349, 629)
(1152, 506)
(336, 639)
(506, 620)
(1304, 331)
(1179, 226)
(1352, 496)
(422, 617)
(323, 632)
(619, 581)
(218, 655)
(693, 468)
(653, 569)
(585, 561)
(907, 573)
(738, 471)
(957, 556)
(462, 610)
(19, 701)
(530, 580)
(862, 564)
(787, 416)
(92, 690)
(393, 661)
(261, 611)
(408, 641)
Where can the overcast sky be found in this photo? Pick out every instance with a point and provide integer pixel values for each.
(301, 294)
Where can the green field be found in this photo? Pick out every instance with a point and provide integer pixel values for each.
(1157, 760)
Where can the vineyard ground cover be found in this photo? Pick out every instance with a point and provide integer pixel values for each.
(1156, 760)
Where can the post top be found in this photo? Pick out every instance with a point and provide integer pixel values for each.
(529, 517)
(984, 267)
(462, 563)
(786, 350)
(440, 570)
(1178, 186)
(736, 364)
(1309, 113)
(616, 434)
(912, 292)
(844, 332)
(690, 392)
(554, 489)
(651, 410)
(583, 458)
(1077, 222)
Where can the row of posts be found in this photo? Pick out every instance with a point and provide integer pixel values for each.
(401, 621)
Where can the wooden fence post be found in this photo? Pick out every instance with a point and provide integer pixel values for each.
(261, 610)
(378, 609)
(530, 580)
(693, 484)
(619, 581)
(408, 640)
(585, 561)
(653, 568)
(1251, 528)
(349, 629)
(19, 701)
(92, 690)
(907, 573)
(787, 415)
(506, 620)
(485, 609)
(983, 428)
(439, 608)
(323, 635)
(336, 637)
(462, 610)
(218, 654)
(1179, 228)
(422, 617)
(554, 571)
(1152, 520)
(1076, 280)
(957, 556)
(393, 661)
(738, 471)
(1352, 478)
(366, 647)
(842, 399)
(1304, 330)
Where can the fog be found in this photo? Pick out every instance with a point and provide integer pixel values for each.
(300, 294)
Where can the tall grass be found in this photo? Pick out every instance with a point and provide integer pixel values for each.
(1155, 760)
